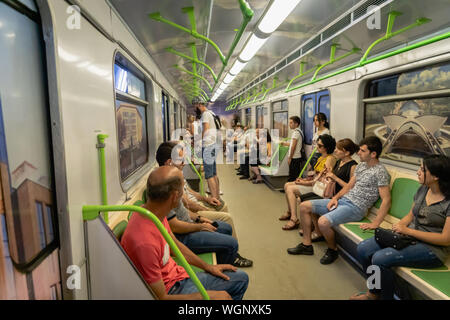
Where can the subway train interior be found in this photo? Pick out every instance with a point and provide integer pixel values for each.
(91, 88)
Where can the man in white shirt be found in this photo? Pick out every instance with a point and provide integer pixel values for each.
(209, 139)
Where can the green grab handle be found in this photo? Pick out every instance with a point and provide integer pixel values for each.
(92, 212)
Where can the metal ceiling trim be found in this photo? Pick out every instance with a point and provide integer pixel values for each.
(315, 42)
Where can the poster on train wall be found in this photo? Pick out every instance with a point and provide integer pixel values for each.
(410, 129)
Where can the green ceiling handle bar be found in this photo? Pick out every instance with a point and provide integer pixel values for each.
(157, 16)
(171, 50)
(252, 96)
(379, 58)
(389, 34)
(191, 87)
(241, 98)
(301, 73)
(102, 162)
(92, 212)
(194, 75)
(263, 88)
(307, 162)
(333, 59)
(247, 14)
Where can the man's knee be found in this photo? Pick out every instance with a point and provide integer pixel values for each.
(324, 223)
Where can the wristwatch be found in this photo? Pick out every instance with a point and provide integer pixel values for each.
(197, 220)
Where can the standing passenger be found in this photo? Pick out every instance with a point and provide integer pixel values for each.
(295, 149)
(322, 127)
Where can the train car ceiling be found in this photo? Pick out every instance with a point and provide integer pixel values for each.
(331, 34)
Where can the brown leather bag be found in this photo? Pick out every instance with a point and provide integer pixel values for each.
(323, 186)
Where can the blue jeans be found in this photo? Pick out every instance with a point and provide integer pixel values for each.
(236, 286)
(221, 242)
(413, 256)
(345, 212)
(209, 161)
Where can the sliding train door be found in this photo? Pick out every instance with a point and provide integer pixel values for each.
(29, 239)
(311, 104)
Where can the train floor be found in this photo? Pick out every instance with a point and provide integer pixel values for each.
(276, 274)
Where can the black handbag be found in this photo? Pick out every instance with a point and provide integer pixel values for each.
(390, 239)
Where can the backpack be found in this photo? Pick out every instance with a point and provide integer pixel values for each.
(302, 151)
(216, 120)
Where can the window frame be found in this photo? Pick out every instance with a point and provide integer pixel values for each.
(119, 58)
(283, 102)
(421, 95)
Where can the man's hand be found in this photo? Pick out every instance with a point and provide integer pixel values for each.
(217, 270)
(213, 201)
(333, 204)
(218, 295)
(205, 220)
(369, 226)
(207, 227)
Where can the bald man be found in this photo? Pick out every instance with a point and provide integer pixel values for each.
(150, 253)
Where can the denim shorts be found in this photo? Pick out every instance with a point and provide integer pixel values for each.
(209, 161)
(345, 212)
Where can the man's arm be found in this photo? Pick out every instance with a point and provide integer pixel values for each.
(385, 195)
(334, 201)
(183, 227)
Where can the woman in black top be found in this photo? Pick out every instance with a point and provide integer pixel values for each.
(428, 222)
(342, 172)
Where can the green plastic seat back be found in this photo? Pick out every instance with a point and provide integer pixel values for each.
(138, 203)
(282, 153)
(402, 195)
(119, 229)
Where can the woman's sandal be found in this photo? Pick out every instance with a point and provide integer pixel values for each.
(362, 296)
(285, 217)
(291, 225)
(241, 262)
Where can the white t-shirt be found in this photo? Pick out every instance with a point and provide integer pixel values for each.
(298, 136)
(209, 137)
(317, 135)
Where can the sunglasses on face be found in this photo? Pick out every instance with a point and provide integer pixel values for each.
(320, 145)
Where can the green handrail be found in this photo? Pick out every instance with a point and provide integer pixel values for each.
(102, 162)
(92, 212)
(194, 75)
(333, 59)
(378, 58)
(171, 50)
(263, 88)
(307, 162)
(202, 188)
(389, 34)
(301, 74)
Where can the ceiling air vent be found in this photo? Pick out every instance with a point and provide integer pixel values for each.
(294, 56)
(362, 10)
(313, 43)
(338, 26)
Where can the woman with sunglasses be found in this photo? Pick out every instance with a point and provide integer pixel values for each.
(428, 222)
(326, 145)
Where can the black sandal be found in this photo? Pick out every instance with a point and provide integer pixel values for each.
(241, 262)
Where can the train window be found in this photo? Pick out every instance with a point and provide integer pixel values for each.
(413, 127)
(175, 115)
(259, 117)
(248, 116)
(165, 116)
(313, 103)
(280, 118)
(308, 111)
(131, 118)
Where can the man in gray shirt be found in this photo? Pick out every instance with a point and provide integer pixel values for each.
(371, 181)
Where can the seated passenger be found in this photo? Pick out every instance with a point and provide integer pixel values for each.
(262, 138)
(428, 222)
(371, 181)
(299, 187)
(342, 172)
(183, 224)
(150, 252)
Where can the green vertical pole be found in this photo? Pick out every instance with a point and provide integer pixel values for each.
(101, 153)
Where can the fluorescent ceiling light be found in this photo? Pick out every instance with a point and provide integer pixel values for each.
(277, 13)
(237, 67)
(228, 79)
(251, 48)
(213, 99)
(223, 86)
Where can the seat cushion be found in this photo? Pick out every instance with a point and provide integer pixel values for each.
(437, 279)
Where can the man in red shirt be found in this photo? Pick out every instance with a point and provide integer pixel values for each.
(150, 253)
